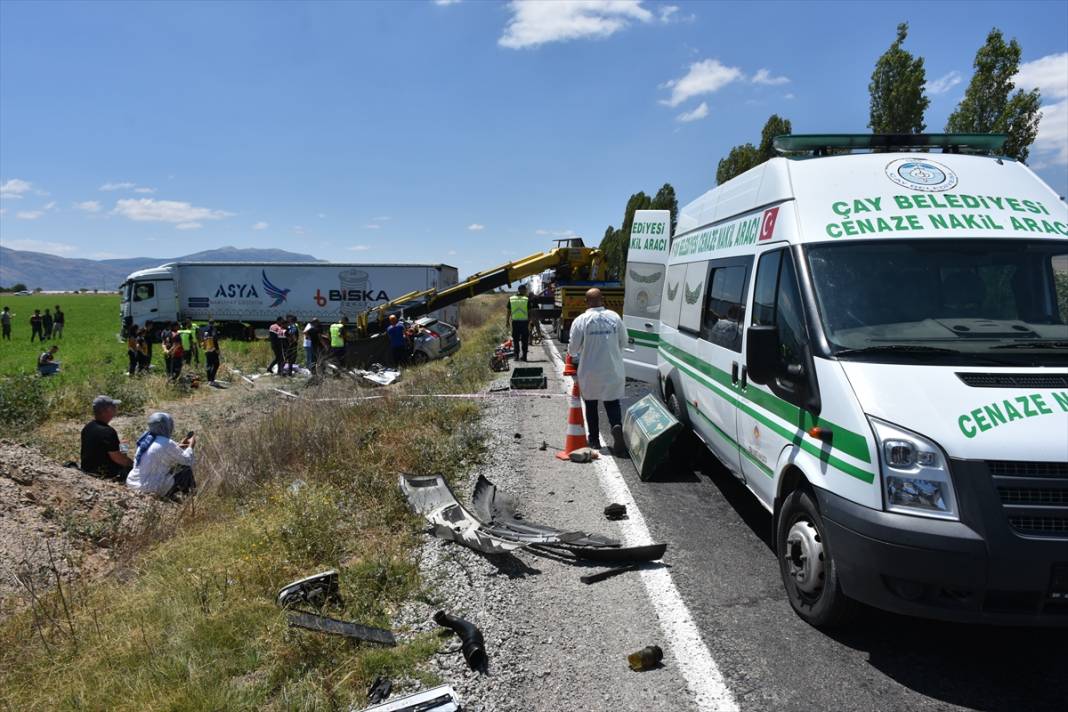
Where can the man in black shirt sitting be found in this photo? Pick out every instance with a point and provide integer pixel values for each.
(101, 456)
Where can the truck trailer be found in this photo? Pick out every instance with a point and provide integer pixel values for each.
(244, 296)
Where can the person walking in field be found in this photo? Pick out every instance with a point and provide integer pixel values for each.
(312, 332)
(173, 352)
(151, 336)
(189, 345)
(35, 326)
(144, 350)
(276, 333)
(519, 317)
(597, 342)
(292, 339)
(46, 325)
(337, 340)
(209, 342)
(57, 323)
(162, 466)
(133, 350)
(5, 323)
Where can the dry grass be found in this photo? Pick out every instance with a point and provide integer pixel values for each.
(303, 487)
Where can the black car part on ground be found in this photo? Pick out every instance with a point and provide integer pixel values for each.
(472, 644)
(607, 573)
(380, 689)
(496, 527)
(494, 507)
(332, 626)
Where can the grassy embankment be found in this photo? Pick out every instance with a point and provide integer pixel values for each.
(93, 361)
(194, 625)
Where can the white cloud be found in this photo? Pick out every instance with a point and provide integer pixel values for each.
(1049, 75)
(29, 214)
(14, 188)
(371, 226)
(788, 96)
(443, 3)
(451, 253)
(696, 115)
(475, 227)
(763, 76)
(144, 190)
(52, 248)
(704, 77)
(669, 15)
(360, 248)
(50, 204)
(322, 216)
(124, 185)
(382, 218)
(667, 11)
(188, 226)
(944, 83)
(541, 232)
(535, 23)
(172, 211)
(298, 229)
(261, 225)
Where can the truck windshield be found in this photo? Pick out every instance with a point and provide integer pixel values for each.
(982, 302)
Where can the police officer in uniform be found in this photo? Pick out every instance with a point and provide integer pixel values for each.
(519, 316)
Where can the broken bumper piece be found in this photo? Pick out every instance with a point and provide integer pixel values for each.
(495, 527)
(436, 699)
(332, 626)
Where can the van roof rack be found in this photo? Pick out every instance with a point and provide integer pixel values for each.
(834, 144)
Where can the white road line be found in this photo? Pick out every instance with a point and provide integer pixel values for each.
(685, 643)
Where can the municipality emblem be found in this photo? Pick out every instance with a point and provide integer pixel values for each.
(923, 175)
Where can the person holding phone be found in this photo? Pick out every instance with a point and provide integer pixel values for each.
(162, 466)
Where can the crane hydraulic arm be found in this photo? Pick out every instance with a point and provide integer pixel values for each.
(570, 263)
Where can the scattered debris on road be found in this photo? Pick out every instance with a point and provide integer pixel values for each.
(379, 690)
(607, 574)
(347, 629)
(583, 455)
(316, 591)
(647, 658)
(472, 644)
(615, 511)
(437, 699)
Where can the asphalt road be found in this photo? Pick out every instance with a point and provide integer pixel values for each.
(722, 562)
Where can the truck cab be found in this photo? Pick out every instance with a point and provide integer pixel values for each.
(148, 295)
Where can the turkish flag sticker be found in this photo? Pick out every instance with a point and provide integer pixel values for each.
(767, 227)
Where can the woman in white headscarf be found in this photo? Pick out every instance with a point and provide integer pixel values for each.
(162, 466)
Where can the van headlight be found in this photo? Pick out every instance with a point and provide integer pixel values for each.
(915, 473)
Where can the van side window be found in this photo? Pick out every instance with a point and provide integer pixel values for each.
(144, 291)
(672, 296)
(725, 308)
(767, 282)
(694, 286)
(645, 282)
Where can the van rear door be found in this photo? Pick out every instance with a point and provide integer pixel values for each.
(647, 253)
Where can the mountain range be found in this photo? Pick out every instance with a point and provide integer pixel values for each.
(51, 272)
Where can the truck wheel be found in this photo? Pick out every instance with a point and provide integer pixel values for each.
(686, 444)
(809, 571)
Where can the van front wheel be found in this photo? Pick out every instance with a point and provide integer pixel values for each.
(808, 569)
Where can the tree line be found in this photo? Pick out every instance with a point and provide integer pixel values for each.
(898, 102)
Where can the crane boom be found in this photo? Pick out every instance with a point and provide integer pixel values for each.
(578, 262)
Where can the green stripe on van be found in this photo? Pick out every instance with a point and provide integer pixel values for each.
(852, 444)
(797, 437)
(736, 445)
(644, 337)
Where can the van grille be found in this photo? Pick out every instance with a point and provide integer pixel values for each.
(1014, 380)
(1034, 496)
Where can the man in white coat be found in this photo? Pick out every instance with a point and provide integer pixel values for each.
(597, 341)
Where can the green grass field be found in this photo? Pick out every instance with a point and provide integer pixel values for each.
(92, 360)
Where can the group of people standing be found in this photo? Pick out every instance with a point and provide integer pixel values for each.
(43, 327)
(181, 344)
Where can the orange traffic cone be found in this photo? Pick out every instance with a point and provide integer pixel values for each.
(569, 368)
(576, 427)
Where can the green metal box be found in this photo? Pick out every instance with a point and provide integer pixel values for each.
(648, 431)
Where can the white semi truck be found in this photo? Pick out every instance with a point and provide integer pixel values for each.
(243, 296)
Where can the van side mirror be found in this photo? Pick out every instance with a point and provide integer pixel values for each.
(762, 353)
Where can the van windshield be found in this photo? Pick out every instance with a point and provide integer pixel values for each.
(982, 302)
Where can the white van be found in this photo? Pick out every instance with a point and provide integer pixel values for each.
(875, 343)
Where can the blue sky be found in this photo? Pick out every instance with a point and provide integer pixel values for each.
(458, 132)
